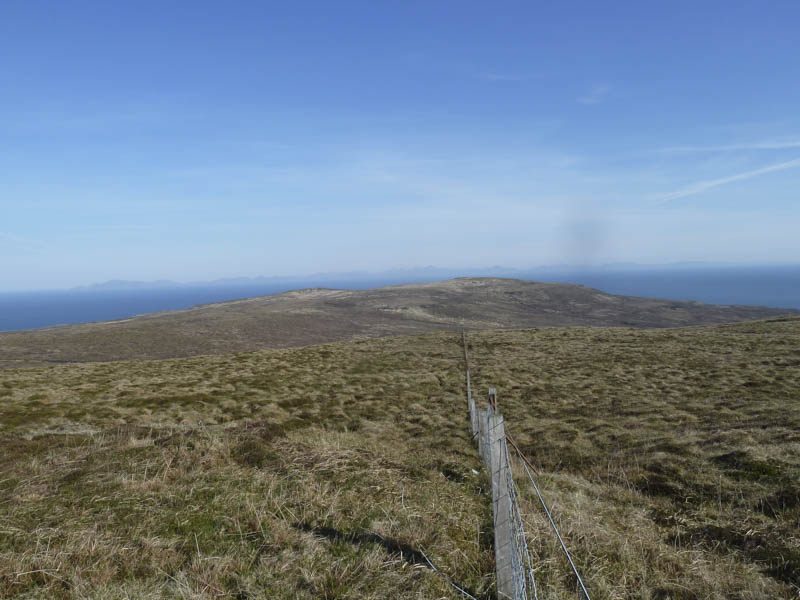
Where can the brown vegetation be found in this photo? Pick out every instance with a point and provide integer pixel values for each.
(318, 316)
(669, 457)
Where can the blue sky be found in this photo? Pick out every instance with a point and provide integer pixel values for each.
(197, 140)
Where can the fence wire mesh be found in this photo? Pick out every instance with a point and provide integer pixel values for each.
(522, 569)
(522, 576)
(523, 583)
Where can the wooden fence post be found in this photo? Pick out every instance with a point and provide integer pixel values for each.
(503, 534)
(473, 414)
(483, 445)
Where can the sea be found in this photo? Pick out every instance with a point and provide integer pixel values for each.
(777, 287)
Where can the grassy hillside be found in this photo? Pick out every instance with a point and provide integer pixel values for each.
(670, 459)
(317, 316)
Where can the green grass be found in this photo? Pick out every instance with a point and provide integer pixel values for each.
(670, 460)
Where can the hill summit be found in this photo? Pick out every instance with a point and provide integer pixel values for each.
(320, 315)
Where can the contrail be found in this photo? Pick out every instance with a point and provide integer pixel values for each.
(705, 185)
(729, 147)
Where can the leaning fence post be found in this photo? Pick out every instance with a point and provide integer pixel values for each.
(503, 534)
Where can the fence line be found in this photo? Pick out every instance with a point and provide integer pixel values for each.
(473, 414)
(515, 577)
(524, 580)
(513, 568)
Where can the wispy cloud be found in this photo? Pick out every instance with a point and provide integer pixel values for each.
(765, 145)
(702, 186)
(596, 95)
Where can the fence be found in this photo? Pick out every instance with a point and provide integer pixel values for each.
(512, 559)
(515, 577)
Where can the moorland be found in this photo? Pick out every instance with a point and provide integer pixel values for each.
(316, 316)
(669, 457)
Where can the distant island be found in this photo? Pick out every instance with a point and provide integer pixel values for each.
(427, 273)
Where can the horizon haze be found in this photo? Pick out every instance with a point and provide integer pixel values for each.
(776, 286)
(199, 141)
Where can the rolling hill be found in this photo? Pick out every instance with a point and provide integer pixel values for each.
(315, 316)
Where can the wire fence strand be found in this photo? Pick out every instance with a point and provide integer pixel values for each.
(523, 584)
(521, 558)
(522, 574)
(552, 523)
(464, 593)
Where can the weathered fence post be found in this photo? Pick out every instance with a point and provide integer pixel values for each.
(503, 534)
(473, 414)
(490, 430)
(483, 432)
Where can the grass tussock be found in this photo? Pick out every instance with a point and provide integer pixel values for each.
(317, 473)
(670, 459)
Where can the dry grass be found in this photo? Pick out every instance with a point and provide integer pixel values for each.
(297, 474)
(198, 514)
(670, 459)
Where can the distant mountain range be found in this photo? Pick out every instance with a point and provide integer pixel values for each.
(418, 274)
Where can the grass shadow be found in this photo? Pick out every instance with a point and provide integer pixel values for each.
(392, 546)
